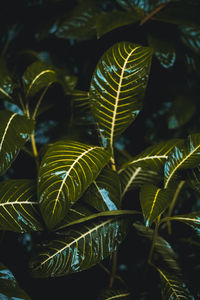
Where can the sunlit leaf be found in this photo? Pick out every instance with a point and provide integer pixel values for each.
(14, 132)
(79, 247)
(109, 294)
(153, 157)
(105, 192)
(108, 21)
(154, 201)
(190, 36)
(67, 169)
(37, 76)
(9, 287)
(19, 210)
(135, 177)
(117, 88)
(184, 156)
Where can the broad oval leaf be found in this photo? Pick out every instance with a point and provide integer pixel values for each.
(154, 201)
(105, 192)
(14, 132)
(153, 157)
(108, 294)
(19, 210)
(117, 88)
(9, 287)
(67, 169)
(186, 155)
(80, 247)
(135, 177)
(37, 76)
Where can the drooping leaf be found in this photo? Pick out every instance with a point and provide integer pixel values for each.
(182, 110)
(37, 76)
(190, 36)
(163, 49)
(135, 177)
(117, 88)
(108, 294)
(9, 287)
(14, 132)
(105, 192)
(19, 210)
(108, 21)
(154, 201)
(184, 156)
(80, 247)
(192, 219)
(67, 169)
(153, 157)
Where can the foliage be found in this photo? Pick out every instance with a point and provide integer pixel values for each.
(99, 149)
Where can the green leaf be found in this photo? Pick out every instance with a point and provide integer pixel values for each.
(37, 76)
(108, 21)
(192, 219)
(135, 177)
(9, 287)
(117, 88)
(19, 210)
(154, 201)
(108, 294)
(105, 192)
(7, 84)
(184, 156)
(67, 169)
(163, 49)
(14, 132)
(190, 36)
(80, 247)
(80, 102)
(146, 5)
(153, 157)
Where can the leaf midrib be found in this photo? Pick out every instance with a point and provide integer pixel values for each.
(6, 129)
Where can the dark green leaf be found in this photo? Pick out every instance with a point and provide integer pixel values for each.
(117, 88)
(184, 156)
(154, 201)
(80, 248)
(105, 192)
(190, 36)
(153, 157)
(109, 294)
(7, 85)
(108, 21)
(67, 169)
(19, 210)
(80, 102)
(9, 287)
(14, 132)
(37, 76)
(192, 219)
(146, 5)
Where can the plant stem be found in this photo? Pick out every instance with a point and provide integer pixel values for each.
(155, 234)
(171, 207)
(152, 13)
(35, 152)
(114, 269)
(39, 101)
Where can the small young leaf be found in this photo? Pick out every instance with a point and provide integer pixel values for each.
(117, 88)
(19, 210)
(9, 287)
(105, 192)
(184, 156)
(108, 294)
(79, 247)
(154, 201)
(14, 132)
(66, 171)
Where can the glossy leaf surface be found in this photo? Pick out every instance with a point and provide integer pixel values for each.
(154, 201)
(105, 192)
(153, 157)
(80, 247)
(7, 85)
(135, 177)
(9, 287)
(14, 132)
(19, 209)
(37, 76)
(117, 88)
(66, 171)
(183, 156)
(109, 294)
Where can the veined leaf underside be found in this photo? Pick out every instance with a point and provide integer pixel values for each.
(117, 87)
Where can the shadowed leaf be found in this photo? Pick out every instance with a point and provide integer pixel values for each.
(109, 294)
